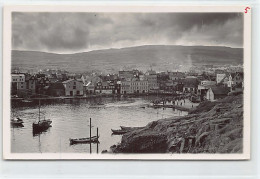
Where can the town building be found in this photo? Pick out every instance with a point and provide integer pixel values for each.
(18, 85)
(235, 79)
(55, 89)
(125, 87)
(203, 87)
(190, 84)
(89, 88)
(41, 84)
(126, 75)
(176, 76)
(105, 87)
(31, 84)
(151, 76)
(215, 93)
(138, 86)
(73, 87)
(220, 77)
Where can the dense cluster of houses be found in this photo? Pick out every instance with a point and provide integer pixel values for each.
(202, 86)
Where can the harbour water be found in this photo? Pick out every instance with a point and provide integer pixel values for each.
(70, 119)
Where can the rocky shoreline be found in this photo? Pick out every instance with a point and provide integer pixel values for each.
(212, 127)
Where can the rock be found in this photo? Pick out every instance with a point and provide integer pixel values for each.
(213, 127)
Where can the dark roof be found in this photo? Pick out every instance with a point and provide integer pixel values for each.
(241, 74)
(239, 85)
(220, 90)
(191, 82)
(56, 85)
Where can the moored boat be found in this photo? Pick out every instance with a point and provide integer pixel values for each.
(93, 139)
(41, 125)
(119, 132)
(17, 122)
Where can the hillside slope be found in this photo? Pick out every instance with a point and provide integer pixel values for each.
(213, 127)
(161, 57)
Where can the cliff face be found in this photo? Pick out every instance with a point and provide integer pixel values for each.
(213, 127)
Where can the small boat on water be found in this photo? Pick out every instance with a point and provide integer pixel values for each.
(93, 139)
(129, 128)
(119, 132)
(41, 125)
(17, 122)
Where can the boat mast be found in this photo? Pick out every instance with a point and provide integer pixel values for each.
(39, 110)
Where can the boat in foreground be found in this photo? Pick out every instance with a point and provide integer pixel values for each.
(119, 132)
(93, 139)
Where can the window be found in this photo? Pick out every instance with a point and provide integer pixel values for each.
(74, 87)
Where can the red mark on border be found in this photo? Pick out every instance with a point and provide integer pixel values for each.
(246, 9)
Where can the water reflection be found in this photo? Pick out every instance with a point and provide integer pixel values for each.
(70, 119)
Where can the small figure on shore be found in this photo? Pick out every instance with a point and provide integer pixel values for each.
(181, 103)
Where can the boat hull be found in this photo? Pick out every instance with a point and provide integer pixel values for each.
(93, 139)
(41, 126)
(119, 132)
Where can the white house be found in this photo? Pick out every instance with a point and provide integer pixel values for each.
(220, 77)
(215, 93)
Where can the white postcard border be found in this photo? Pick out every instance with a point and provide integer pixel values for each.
(113, 8)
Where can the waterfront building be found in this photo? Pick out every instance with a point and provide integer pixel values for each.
(125, 87)
(105, 87)
(42, 82)
(151, 76)
(89, 88)
(55, 89)
(31, 84)
(18, 85)
(73, 87)
(138, 86)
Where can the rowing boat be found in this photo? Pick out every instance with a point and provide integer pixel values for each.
(93, 139)
(119, 132)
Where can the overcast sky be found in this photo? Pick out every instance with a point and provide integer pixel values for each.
(77, 32)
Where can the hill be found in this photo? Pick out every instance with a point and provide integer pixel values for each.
(160, 57)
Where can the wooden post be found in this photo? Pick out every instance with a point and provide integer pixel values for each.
(97, 140)
(90, 134)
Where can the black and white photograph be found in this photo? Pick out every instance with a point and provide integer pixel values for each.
(122, 83)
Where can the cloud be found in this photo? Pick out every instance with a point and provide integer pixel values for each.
(75, 32)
